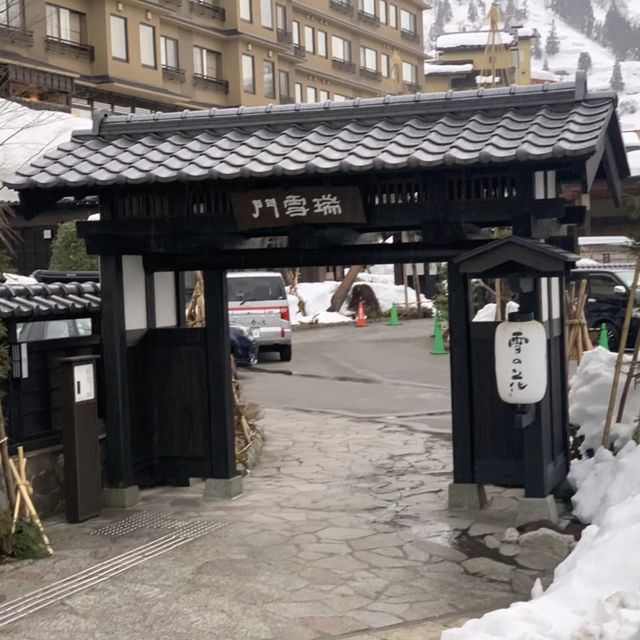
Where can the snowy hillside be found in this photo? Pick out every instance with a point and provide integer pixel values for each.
(571, 28)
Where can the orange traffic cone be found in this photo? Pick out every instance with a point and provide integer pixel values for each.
(361, 319)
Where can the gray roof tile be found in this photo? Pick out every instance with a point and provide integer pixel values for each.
(423, 130)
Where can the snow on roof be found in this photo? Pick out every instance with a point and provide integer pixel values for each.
(442, 69)
(587, 241)
(633, 158)
(527, 33)
(487, 79)
(541, 74)
(26, 134)
(631, 139)
(470, 39)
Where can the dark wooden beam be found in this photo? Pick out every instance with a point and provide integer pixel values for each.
(275, 258)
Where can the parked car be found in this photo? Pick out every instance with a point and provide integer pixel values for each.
(258, 300)
(608, 289)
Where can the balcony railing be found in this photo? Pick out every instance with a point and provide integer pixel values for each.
(414, 36)
(343, 65)
(174, 4)
(369, 18)
(283, 36)
(299, 51)
(214, 84)
(287, 100)
(69, 47)
(16, 34)
(173, 73)
(343, 6)
(209, 9)
(370, 74)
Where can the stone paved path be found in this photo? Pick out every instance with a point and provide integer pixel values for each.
(342, 531)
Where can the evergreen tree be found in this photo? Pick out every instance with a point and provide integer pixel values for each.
(472, 13)
(584, 61)
(553, 43)
(69, 253)
(445, 10)
(617, 33)
(545, 64)
(616, 82)
(509, 13)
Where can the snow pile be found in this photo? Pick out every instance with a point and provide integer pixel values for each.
(589, 391)
(488, 312)
(317, 299)
(604, 481)
(26, 134)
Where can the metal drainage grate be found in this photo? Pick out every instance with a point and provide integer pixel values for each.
(180, 532)
(156, 520)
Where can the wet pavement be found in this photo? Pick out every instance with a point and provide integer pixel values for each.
(342, 531)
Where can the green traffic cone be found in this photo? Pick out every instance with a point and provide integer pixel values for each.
(393, 318)
(604, 336)
(438, 340)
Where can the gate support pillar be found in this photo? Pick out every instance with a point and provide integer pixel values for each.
(223, 481)
(116, 385)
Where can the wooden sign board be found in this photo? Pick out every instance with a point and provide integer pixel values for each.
(307, 205)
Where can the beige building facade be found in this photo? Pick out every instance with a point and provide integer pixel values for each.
(137, 55)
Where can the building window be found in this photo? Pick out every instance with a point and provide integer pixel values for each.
(407, 21)
(393, 16)
(119, 48)
(384, 65)
(246, 12)
(368, 6)
(382, 11)
(309, 39)
(340, 49)
(369, 58)
(322, 44)
(266, 13)
(147, 46)
(409, 73)
(295, 28)
(312, 94)
(269, 79)
(283, 81)
(338, 97)
(298, 91)
(207, 63)
(169, 53)
(11, 13)
(281, 17)
(324, 95)
(248, 74)
(62, 23)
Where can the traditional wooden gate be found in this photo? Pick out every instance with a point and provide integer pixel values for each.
(203, 190)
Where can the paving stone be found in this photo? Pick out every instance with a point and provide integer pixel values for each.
(375, 619)
(509, 549)
(440, 550)
(511, 534)
(481, 529)
(488, 568)
(522, 582)
(537, 560)
(341, 563)
(343, 533)
(377, 560)
(376, 542)
(547, 541)
(491, 542)
(333, 625)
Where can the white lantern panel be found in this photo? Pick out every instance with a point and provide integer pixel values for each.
(135, 296)
(521, 361)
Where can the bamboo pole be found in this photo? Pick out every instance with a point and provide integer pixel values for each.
(23, 499)
(573, 328)
(498, 316)
(623, 342)
(4, 458)
(629, 378)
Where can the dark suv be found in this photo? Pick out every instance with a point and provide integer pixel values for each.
(607, 294)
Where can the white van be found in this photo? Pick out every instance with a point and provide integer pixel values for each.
(258, 300)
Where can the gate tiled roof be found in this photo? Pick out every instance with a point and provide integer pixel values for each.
(31, 301)
(453, 129)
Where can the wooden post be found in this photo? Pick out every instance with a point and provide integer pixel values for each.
(416, 286)
(4, 458)
(498, 316)
(623, 343)
(461, 408)
(116, 379)
(221, 425)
